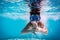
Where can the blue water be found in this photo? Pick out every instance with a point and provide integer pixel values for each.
(10, 28)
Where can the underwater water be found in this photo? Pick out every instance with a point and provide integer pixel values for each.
(14, 16)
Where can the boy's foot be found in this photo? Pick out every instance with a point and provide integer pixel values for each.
(44, 30)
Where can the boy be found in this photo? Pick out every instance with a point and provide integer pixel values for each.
(35, 15)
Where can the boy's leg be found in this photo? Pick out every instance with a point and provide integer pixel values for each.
(34, 23)
(40, 24)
